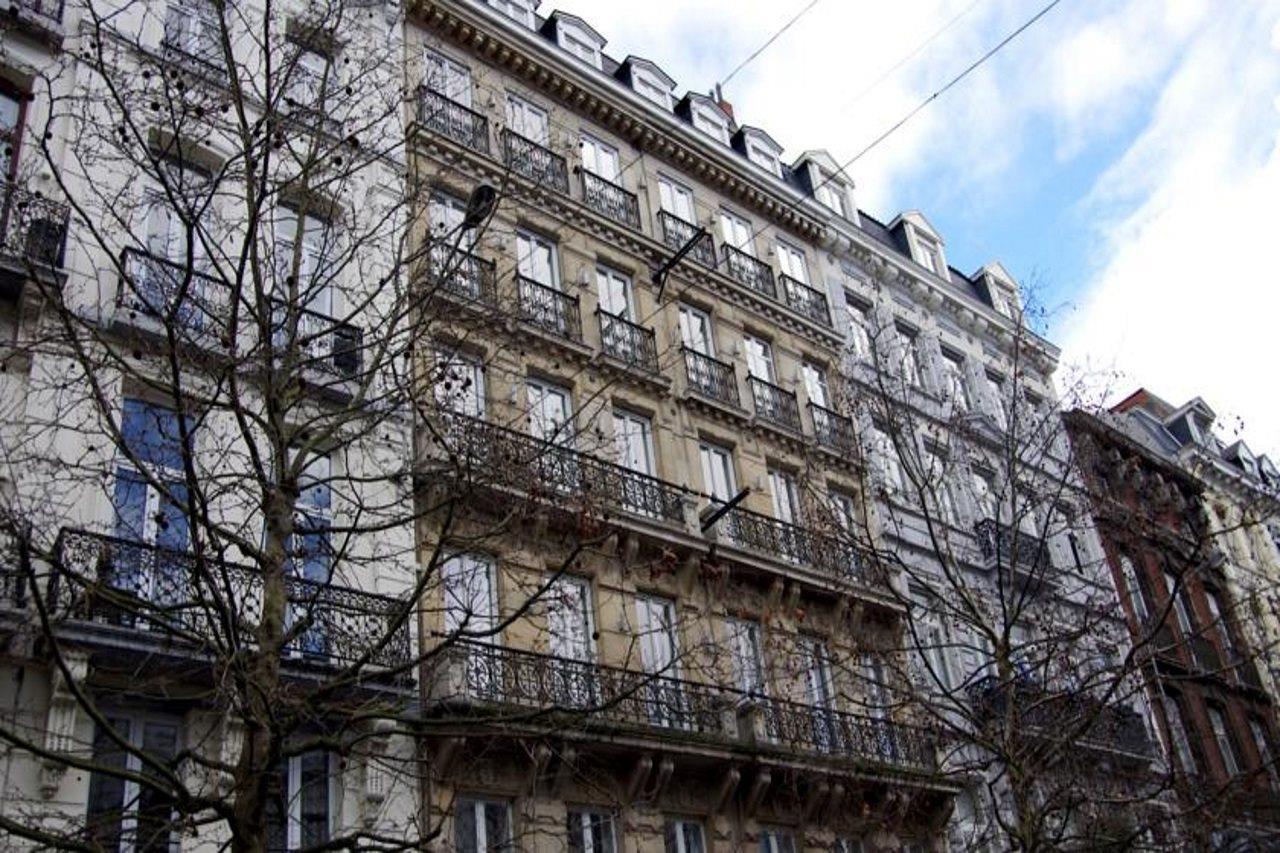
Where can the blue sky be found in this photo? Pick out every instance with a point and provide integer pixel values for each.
(1121, 157)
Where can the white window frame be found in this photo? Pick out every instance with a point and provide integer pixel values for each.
(777, 840)
(763, 156)
(600, 158)
(832, 195)
(785, 494)
(1218, 722)
(678, 829)
(445, 76)
(626, 424)
(792, 262)
(479, 804)
(584, 816)
(1181, 744)
(527, 119)
(517, 10)
(458, 578)
(293, 798)
(673, 197)
(559, 592)
(1183, 618)
(746, 655)
(539, 392)
(648, 86)
(735, 231)
(814, 377)
(137, 723)
(759, 357)
(455, 366)
(579, 43)
(859, 317)
(957, 380)
(1262, 743)
(612, 284)
(717, 470)
(696, 330)
(710, 122)
(912, 369)
(528, 244)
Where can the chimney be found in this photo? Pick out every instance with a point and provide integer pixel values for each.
(718, 97)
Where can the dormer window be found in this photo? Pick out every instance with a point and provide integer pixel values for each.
(711, 123)
(516, 10)
(760, 149)
(832, 196)
(929, 254)
(651, 87)
(581, 42)
(762, 156)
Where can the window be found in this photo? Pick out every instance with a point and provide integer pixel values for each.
(676, 199)
(192, 29)
(311, 239)
(124, 814)
(934, 654)
(736, 232)
(481, 825)
(590, 831)
(550, 412)
(747, 658)
(311, 80)
(1181, 744)
(929, 254)
(580, 44)
(711, 123)
(792, 263)
(832, 196)
(886, 461)
(859, 329)
(842, 507)
(459, 385)
(786, 497)
(1134, 590)
(683, 836)
(528, 120)
(815, 663)
(310, 551)
(150, 507)
(984, 495)
(446, 77)
(910, 367)
(1218, 722)
(634, 436)
(848, 845)
(536, 259)
(759, 358)
(996, 401)
(656, 631)
(12, 112)
(470, 603)
(299, 804)
(176, 225)
(650, 88)
(1179, 606)
(815, 384)
(695, 330)
(878, 700)
(615, 293)
(764, 157)
(569, 618)
(776, 841)
(956, 383)
(1266, 758)
(517, 10)
(717, 471)
(599, 158)
(1220, 624)
(445, 214)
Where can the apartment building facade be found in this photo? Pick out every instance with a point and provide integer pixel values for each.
(1215, 719)
(202, 529)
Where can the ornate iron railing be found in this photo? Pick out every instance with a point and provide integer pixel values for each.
(754, 273)
(711, 377)
(162, 289)
(774, 404)
(323, 343)
(463, 274)
(48, 9)
(1001, 544)
(114, 581)
(204, 60)
(833, 430)
(451, 119)
(548, 470)
(32, 227)
(676, 233)
(602, 694)
(608, 199)
(805, 300)
(824, 731)
(535, 162)
(628, 342)
(550, 309)
(794, 544)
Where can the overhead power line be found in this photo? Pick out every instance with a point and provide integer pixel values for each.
(761, 49)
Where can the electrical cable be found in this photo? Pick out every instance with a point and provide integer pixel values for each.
(761, 49)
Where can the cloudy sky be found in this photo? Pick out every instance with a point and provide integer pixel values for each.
(1122, 157)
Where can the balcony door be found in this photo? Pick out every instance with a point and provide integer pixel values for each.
(695, 330)
(600, 159)
(747, 657)
(792, 264)
(551, 420)
(569, 632)
(311, 556)
(130, 814)
(634, 435)
(615, 293)
(309, 238)
(470, 616)
(879, 704)
(717, 471)
(786, 497)
(446, 77)
(815, 384)
(656, 628)
(819, 692)
(736, 232)
(528, 120)
(11, 115)
(175, 248)
(759, 358)
(676, 199)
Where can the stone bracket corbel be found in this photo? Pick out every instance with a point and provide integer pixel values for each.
(377, 780)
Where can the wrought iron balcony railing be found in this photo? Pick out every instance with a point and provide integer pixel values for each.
(628, 342)
(1002, 545)
(323, 343)
(546, 470)
(602, 695)
(805, 300)
(774, 404)
(535, 162)
(745, 269)
(676, 233)
(794, 544)
(549, 309)
(862, 737)
(172, 594)
(608, 199)
(33, 228)
(452, 120)
(201, 56)
(162, 289)
(463, 274)
(711, 377)
(833, 431)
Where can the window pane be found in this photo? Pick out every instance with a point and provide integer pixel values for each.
(106, 791)
(155, 806)
(314, 798)
(497, 832)
(464, 827)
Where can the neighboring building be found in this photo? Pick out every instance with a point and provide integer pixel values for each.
(1216, 722)
(731, 671)
(98, 435)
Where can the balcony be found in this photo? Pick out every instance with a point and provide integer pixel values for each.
(538, 164)
(549, 309)
(775, 405)
(323, 343)
(1004, 546)
(793, 544)
(860, 737)
(711, 378)
(110, 581)
(676, 234)
(544, 470)
(609, 199)
(172, 295)
(453, 121)
(833, 431)
(33, 228)
(749, 271)
(632, 344)
(200, 54)
(463, 275)
(805, 300)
